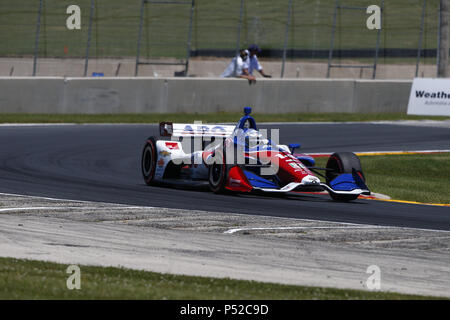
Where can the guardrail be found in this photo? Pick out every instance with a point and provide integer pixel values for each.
(200, 95)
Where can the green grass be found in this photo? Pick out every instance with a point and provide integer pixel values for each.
(116, 25)
(28, 279)
(422, 178)
(207, 117)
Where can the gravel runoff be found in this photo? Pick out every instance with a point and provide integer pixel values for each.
(269, 249)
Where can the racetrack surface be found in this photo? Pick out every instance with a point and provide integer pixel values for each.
(102, 163)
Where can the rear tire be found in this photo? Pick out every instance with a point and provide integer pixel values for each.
(339, 163)
(217, 175)
(148, 162)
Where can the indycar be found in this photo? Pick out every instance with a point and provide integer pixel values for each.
(243, 159)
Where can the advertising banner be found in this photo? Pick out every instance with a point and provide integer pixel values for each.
(430, 96)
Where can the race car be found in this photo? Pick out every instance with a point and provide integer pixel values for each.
(243, 159)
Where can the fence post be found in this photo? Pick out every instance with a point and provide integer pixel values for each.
(238, 41)
(286, 36)
(139, 38)
(88, 45)
(422, 26)
(36, 43)
(443, 42)
(333, 30)
(188, 54)
(377, 49)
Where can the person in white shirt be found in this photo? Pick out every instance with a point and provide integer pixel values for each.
(238, 67)
(253, 63)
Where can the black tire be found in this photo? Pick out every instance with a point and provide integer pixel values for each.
(148, 161)
(217, 174)
(343, 162)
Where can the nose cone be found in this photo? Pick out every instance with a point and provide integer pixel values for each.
(310, 180)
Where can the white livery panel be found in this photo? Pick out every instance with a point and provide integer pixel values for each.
(195, 130)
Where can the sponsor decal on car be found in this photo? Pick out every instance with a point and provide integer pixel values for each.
(172, 145)
(204, 129)
(234, 182)
(164, 153)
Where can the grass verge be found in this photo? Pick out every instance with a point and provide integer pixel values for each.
(422, 177)
(29, 279)
(205, 117)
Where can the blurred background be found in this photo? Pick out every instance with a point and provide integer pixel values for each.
(298, 38)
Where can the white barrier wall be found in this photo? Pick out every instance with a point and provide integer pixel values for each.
(201, 95)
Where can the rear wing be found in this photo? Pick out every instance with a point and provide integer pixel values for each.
(195, 130)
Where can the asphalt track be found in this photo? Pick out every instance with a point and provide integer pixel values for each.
(102, 163)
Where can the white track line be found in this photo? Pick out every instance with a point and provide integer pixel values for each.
(27, 209)
(43, 198)
(70, 200)
(304, 228)
(384, 152)
(36, 124)
(347, 226)
(65, 208)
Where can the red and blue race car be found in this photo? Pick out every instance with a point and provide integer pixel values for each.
(244, 159)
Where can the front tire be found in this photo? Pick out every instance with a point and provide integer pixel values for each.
(339, 163)
(148, 162)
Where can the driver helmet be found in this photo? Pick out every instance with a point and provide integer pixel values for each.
(254, 138)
